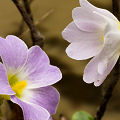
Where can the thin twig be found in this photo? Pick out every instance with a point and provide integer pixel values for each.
(42, 18)
(35, 34)
(108, 93)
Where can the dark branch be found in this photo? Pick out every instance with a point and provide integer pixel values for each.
(35, 34)
(116, 8)
(27, 7)
(108, 93)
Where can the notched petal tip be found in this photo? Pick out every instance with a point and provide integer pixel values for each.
(98, 83)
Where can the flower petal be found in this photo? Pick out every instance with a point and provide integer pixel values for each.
(31, 111)
(90, 7)
(107, 70)
(13, 52)
(39, 72)
(73, 34)
(50, 118)
(84, 49)
(46, 97)
(88, 21)
(5, 88)
(92, 72)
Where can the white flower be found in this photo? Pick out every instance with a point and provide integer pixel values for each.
(94, 32)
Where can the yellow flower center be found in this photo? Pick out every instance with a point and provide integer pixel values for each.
(16, 85)
(119, 26)
(102, 38)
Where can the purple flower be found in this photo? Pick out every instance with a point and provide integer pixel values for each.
(94, 32)
(26, 76)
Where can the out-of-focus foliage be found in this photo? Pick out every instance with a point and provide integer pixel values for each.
(82, 115)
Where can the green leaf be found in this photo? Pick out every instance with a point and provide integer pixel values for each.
(81, 115)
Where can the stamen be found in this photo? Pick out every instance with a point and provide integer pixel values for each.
(18, 87)
(119, 25)
(102, 39)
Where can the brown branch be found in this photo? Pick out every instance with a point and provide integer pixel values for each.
(108, 93)
(27, 7)
(35, 34)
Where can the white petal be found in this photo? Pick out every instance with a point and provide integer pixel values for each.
(73, 34)
(88, 21)
(89, 6)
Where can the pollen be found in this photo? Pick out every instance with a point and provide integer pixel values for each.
(119, 26)
(102, 38)
(18, 87)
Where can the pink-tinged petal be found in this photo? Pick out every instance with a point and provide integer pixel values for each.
(91, 73)
(85, 44)
(46, 97)
(73, 34)
(111, 26)
(5, 88)
(102, 66)
(88, 21)
(90, 7)
(31, 111)
(84, 49)
(39, 72)
(13, 52)
(111, 63)
(111, 46)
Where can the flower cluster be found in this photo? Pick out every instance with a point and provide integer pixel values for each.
(94, 32)
(25, 79)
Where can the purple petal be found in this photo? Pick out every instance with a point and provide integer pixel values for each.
(50, 118)
(39, 72)
(13, 52)
(31, 111)
(46, 97)
(5, 88)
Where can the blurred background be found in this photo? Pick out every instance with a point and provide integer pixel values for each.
(51, 17)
